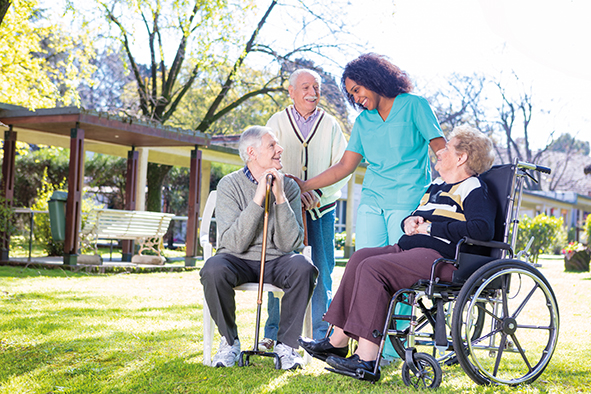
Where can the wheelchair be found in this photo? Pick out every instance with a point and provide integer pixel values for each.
(498, 318)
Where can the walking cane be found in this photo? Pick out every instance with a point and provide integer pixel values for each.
(245, 355)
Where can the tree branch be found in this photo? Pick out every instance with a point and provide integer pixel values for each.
(239, 101)
(180, 95)
(142, 91)
(209, 117)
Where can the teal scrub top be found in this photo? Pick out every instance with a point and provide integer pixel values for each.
(397, 152)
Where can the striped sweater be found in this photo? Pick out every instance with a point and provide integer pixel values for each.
(454, 210)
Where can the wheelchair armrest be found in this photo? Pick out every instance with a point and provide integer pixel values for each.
(488, 244)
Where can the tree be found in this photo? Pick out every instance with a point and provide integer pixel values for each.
(105, 176)
(4, 5)
(569, 144)
(209, 38)
(41, 64)
(108, 89)
(458, 101)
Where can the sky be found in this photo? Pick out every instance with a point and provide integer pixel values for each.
(547, 43)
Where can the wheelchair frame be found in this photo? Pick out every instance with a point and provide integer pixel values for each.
(479, 304)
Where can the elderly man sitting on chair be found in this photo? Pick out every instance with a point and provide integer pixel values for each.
(239, 217)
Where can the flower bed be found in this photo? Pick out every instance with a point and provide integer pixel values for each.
(576, 257)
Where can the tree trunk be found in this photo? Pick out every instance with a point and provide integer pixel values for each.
(156, 175)
(4, 5)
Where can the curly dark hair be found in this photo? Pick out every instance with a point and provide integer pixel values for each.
(376, 73)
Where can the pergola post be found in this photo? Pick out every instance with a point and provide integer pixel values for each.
(193, 212)
(73, 204)
(7, 189)
(130, 198)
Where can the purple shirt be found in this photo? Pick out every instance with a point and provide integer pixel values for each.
(305, 125)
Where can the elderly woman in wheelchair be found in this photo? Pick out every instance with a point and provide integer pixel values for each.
(457, 214)
(456, 205)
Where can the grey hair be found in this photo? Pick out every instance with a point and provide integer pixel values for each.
(252, 136)
(293, 78)
(476, 145)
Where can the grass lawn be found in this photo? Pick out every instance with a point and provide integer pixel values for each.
(65, 332)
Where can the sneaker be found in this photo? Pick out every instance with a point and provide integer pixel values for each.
(227, 355)
(266, 345)
(290, 359)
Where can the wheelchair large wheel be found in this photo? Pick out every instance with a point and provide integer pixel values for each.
(424, 330)
(521, 328)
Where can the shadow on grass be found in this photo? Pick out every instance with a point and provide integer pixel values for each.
(22, 272)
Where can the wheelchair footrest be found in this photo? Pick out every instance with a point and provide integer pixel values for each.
(360, 374)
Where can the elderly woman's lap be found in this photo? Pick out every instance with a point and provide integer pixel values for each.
(374, 275)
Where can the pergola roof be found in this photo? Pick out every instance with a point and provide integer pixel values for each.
(100, 127)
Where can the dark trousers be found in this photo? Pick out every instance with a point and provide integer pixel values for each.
(371, 278)
(294, 273)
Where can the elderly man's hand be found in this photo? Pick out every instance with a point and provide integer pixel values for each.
(277, 187)
(310, 200)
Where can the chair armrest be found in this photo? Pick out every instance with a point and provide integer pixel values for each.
(488, 244)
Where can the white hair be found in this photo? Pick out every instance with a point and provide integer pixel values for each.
(253, 136)
(293, 78)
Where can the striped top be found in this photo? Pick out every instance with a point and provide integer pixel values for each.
(454, 210)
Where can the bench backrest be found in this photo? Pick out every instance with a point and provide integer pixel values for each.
(123, 224)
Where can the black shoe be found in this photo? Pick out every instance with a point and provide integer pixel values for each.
(351, 364)
(322, 349)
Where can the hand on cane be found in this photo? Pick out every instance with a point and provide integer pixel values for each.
(277, 187)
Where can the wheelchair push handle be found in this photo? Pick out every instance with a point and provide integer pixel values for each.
(534, 167)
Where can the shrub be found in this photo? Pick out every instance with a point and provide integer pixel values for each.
(339, 240)
(42, 230)
(588, 229)
(7, 218)
(547, 231)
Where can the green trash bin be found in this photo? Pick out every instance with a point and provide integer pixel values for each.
(57, 215)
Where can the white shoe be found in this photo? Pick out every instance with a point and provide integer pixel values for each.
(266, 345)
(227, 355)
(290, 359)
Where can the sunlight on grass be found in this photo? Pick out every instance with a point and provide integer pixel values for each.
(66, 332)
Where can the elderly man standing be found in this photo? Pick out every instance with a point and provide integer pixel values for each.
(313, 142)
(239, 216)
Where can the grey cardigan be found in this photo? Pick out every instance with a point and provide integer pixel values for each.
(240, 220)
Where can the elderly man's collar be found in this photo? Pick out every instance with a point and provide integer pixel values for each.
(301, 118)
(249, 175)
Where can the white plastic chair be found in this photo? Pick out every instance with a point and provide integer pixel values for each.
(208, 323)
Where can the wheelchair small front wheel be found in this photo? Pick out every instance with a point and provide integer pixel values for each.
(429, 374)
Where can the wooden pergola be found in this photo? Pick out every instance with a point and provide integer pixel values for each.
(81, 130)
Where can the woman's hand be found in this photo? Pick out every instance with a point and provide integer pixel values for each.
(300, 182)
(412, 223)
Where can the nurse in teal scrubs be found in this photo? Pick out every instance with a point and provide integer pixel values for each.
(393, 134)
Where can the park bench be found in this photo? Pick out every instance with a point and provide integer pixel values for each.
(146, 228)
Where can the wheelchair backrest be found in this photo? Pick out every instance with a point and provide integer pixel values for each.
(500, 183)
